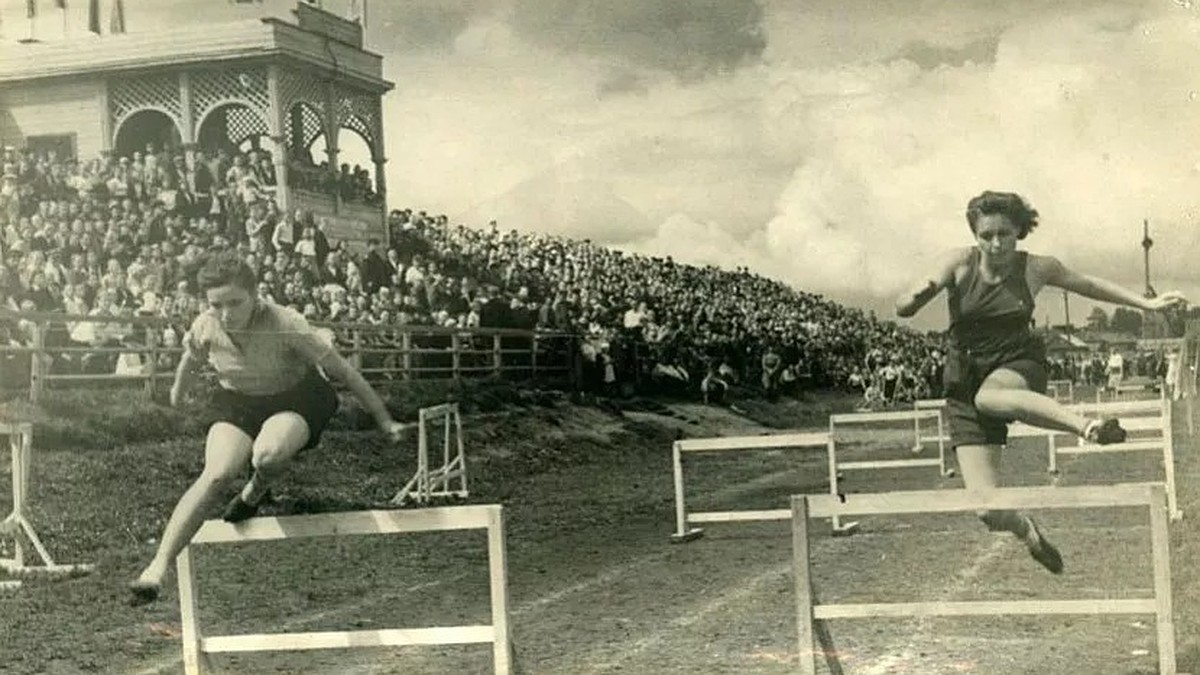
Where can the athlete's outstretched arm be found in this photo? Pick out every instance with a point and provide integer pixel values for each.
(1061, 276)
(913, 300)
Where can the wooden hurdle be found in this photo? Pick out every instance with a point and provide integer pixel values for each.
(426, 483)
(16, 525)
(836, 467)
(941, 439)
(810, 615)
(488, 517)
(1126, 392)
(683, 519)
(1056, 388)
(1163, 443)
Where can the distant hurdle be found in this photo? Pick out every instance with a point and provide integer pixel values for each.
(810, 614)
(447, 480)
(1128, 392)
(919, 441)
(16, 525)
(836, 467)
(683, 519)
(1152, 430)
(1062, 391)
(489, 517)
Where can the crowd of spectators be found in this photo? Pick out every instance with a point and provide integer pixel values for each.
(123, 235)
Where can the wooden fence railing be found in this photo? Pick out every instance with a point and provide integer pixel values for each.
(132, 349)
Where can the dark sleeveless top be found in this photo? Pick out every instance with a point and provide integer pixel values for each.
(991, 318)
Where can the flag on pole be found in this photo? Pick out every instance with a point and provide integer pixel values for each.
(94, 16)
(117, 23)
(61, 4)
(31, 9)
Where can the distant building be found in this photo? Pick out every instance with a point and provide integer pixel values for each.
(263, 84)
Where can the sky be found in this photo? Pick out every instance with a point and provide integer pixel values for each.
(831, 144)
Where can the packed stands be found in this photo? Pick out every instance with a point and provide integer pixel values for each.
(122, 236)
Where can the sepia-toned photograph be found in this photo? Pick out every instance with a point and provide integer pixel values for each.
(599, 337)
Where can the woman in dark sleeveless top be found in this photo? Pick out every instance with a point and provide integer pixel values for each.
(996, 369)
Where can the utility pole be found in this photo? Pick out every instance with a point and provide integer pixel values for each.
(1147, 242)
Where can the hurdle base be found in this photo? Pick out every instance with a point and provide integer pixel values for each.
(10, 566)
(691, 535)
(1177, 515)
(844, 530)
(949, 473)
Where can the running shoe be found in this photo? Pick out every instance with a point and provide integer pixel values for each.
(1105, 432)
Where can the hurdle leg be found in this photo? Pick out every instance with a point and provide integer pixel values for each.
(835, 523)
(192, 656)
(1169, 460)
(498, 573)
(941, 432)
(1164, 614)
(1052, 454)
(423, 487)
(462, 455)
(682, 533)
(802, 576)
(444, 475)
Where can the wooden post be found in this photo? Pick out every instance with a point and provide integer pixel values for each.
(406, 356)
(151, 372)
(455, 354)
(497, 357)
(533, 354)
(356, 357)
(36, 380)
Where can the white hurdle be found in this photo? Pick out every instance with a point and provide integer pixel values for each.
(427, 483)
(1162, 443)
(941, 439)
(16, 525)
(1062, 391)
(1127, 392)
(489, 517)
(810, 615)
(836, 467)
(683, 518)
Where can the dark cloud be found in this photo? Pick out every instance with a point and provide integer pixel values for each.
(690, 38)
(929, 56)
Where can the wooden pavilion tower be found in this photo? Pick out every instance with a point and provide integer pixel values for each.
(262, 84)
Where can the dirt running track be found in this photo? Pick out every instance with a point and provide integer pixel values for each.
(596, 588)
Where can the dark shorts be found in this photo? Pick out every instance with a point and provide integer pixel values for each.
(965, 372)
(313, 399)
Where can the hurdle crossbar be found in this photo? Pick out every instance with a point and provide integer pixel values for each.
(447, 480)
(925, 410)
(486, 517)
(791, 441)
(16, 525)
(1160, 420)
(809, 612)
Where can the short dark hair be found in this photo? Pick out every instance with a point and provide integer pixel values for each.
(1008, 204)
(226, 267)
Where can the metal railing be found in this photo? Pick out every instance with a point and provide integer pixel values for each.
(137, 353)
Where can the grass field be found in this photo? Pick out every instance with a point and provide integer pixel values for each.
(594, 584)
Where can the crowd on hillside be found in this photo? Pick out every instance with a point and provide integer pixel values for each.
(122, 236)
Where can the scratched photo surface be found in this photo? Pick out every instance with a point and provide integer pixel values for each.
(629, 276)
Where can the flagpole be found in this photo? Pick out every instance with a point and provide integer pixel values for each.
(64, 14)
